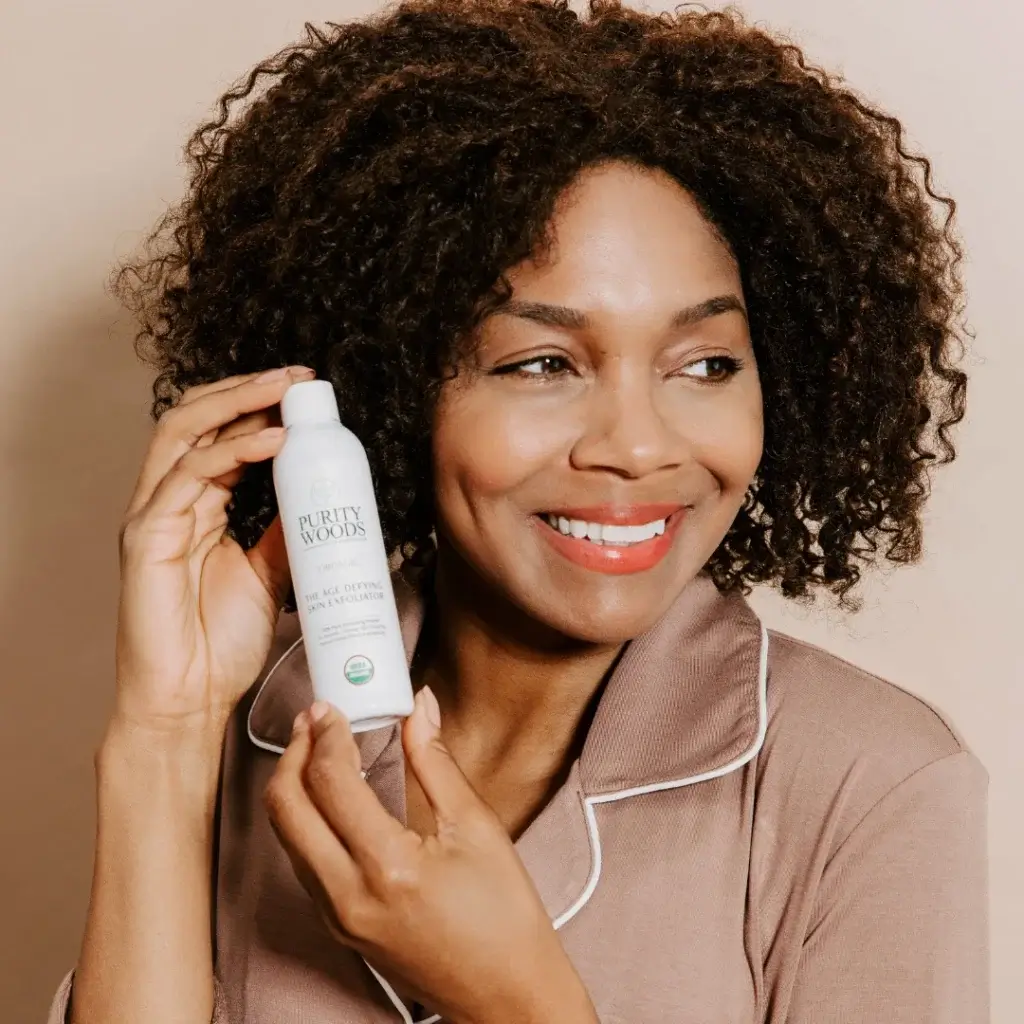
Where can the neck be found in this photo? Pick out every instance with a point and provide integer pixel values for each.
(511, 691)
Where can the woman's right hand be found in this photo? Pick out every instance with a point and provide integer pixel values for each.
(197, 613)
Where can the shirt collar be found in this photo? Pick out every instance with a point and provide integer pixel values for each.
(685, 701)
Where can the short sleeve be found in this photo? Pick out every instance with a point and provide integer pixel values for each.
(62, 1000)
(899, 931)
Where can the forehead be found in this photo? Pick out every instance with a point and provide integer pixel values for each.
(625, 237)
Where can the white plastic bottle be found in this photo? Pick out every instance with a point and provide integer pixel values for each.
(338, 562)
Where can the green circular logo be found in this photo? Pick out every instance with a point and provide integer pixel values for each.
(358, 670)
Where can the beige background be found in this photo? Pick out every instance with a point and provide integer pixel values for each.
(95, 103)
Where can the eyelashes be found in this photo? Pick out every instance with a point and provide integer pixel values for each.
(727, 367)
(720, 368)
(553, 366)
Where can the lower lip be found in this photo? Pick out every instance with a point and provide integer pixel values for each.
(613, 559)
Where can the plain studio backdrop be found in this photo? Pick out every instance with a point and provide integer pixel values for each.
(97, 100)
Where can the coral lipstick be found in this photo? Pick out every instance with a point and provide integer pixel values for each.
(614, 558)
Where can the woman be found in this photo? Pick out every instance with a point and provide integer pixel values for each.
(631, 312)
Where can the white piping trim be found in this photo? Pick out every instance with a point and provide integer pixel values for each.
(263, 744)
(272, 747)
(604, 798)
(396, 999)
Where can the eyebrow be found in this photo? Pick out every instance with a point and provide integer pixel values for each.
(574, 320)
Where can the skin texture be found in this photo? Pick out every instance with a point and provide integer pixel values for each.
(632, 412)
(391, 211)
(627, 411)
(359, 201)
(195, 619)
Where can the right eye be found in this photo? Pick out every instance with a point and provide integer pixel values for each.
(538, 366)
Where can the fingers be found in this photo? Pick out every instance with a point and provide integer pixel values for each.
(182, 487)
(302, 830)
(243, 425)
(201, 413)
(191, 394)
(450, 794)
(250, 423)
(345, 799)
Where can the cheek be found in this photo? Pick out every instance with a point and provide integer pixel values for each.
(738, 452)
(726, 437)
(485, 447)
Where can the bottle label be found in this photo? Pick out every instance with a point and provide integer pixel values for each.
(336, 546)
(327, 525)
(341, 576)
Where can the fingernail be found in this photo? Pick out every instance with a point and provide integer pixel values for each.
(318, 710)
(285, 371)
(300, 722)
(279, 374)
(432, 708)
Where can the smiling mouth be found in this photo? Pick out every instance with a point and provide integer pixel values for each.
(611, 534)
(611, 539)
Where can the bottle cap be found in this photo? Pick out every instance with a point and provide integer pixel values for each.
(310, 401)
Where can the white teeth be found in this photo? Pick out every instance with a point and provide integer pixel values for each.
(629, 534)
(606, 533)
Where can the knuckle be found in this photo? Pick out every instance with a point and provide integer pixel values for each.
(400, 876)
(192, 460)
(319, 773)
(393, 875)
(192, 392)
(167, 425)
(128, 534)
(174, 427)
(355, 917)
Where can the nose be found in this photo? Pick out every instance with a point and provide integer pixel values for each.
(624, 431)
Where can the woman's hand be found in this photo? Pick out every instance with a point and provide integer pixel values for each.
(197, 613)
(453, 919)
(195, 623)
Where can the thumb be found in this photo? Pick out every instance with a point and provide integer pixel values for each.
(450, 794)
(269, 560)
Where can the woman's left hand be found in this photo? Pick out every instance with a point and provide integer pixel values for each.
(452, 918)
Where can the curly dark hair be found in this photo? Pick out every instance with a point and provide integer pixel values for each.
(359, 215)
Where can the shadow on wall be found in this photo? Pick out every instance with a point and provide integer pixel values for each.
(78, 433)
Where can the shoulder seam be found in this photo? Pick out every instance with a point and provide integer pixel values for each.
(967, 754)
(954, 734)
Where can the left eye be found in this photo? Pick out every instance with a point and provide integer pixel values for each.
(712, 368)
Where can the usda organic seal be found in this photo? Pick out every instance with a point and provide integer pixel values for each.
(358, 670)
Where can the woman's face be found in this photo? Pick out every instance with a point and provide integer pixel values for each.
(594, 453)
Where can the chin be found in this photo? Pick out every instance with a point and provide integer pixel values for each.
(542, 602)
(603, 618)
(607, 630)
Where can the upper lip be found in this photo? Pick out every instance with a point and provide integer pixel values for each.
(619, 515)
